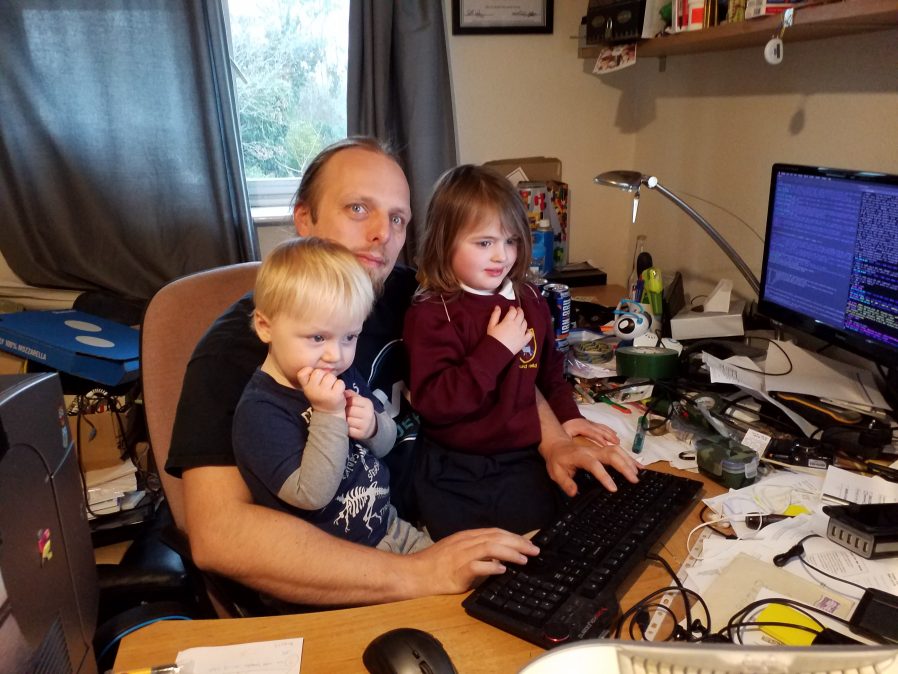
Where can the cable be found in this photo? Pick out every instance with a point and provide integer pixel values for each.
(733, 622)
(808, 565)
(645, 603)
(696, 346)
(121, 635)
(710, 524)
(702, 526)
(692, 626)
(797, 551)
(730, 213)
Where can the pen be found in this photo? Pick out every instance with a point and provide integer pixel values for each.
(157, 669)
(587, 397)
(885, 472)
(639, 438)
(609, 401)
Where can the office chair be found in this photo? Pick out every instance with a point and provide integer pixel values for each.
(175, 320)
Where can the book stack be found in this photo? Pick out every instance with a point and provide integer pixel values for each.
(112, 489)
(755, 8)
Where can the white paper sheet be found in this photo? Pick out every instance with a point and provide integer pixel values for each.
(282, 656)
(812, 373)
(654, 448)
(844, 485)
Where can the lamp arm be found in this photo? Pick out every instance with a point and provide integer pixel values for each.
(710, 231)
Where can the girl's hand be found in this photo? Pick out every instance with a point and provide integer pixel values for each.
(598, 433)
(511, 331)
(360, 416)
(323, 389)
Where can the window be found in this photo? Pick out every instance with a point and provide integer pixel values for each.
(290, 61)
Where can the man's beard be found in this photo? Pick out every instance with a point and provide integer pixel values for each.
(377, 282)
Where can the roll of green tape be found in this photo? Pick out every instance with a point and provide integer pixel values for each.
(649, 362)
(593, 351)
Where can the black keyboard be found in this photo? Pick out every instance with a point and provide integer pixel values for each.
(569, 591)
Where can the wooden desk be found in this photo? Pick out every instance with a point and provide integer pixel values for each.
(334, 640)
(607, 296)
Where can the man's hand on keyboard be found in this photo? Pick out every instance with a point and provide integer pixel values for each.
(564, 457)
(452, 564)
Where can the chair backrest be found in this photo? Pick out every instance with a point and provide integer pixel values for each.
(175, 320)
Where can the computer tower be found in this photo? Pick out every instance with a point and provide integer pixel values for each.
(48, 581)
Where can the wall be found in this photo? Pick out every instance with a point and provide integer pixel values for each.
(710, 124)
(522, 95)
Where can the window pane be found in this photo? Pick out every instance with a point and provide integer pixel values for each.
(290, 61)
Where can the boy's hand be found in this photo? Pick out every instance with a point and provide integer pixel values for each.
(360, 416)
(511, 331)
(323, 389)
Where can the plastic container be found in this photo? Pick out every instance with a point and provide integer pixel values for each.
(730, 466)
(547, 236)
(538, 255)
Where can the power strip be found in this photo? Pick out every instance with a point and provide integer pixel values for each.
(667, 599)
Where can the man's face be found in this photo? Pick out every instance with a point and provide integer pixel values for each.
(363, 203)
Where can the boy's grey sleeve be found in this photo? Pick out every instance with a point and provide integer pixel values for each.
(384, 437)
(314, 484)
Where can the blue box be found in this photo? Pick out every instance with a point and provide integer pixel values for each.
(74, 342)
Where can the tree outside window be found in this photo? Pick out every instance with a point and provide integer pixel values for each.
(290, 62)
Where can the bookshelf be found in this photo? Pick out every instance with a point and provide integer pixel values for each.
(810, 23)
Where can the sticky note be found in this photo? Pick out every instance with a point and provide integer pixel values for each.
(778, 613)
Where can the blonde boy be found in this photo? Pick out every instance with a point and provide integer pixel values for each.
(308, 434)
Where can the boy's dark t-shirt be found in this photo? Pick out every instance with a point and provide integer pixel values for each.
(271, 429)
(229, 353)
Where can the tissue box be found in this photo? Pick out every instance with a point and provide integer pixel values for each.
(690, 324)
(73, 342)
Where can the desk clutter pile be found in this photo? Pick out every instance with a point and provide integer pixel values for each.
(782, 557)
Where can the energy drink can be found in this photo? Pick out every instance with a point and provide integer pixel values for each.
(558, 296)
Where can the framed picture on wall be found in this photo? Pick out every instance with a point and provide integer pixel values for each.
(492, 17)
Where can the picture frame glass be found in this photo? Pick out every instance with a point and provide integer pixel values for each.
(502, 16)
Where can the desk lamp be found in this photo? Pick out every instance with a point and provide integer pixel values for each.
(632, 181)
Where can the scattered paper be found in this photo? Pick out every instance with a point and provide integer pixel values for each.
(843, 563)
(845, 486)
(745, 579)
(654, 448)
(282, 656)
(812, 373)
(774, 494)
(737, 370)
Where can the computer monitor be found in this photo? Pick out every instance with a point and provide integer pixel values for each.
(48, 577)
(831, 258)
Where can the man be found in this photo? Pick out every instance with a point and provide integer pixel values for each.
(354, 193)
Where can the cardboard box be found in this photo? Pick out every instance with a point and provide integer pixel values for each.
(10, 364)
(73, 342)
(533, 168)
(545, 196)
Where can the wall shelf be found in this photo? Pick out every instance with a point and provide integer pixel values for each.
(810, 23)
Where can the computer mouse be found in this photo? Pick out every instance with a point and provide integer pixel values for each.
(407, 651)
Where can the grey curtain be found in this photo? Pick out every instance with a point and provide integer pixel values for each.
(399, 90)
(120, 164)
